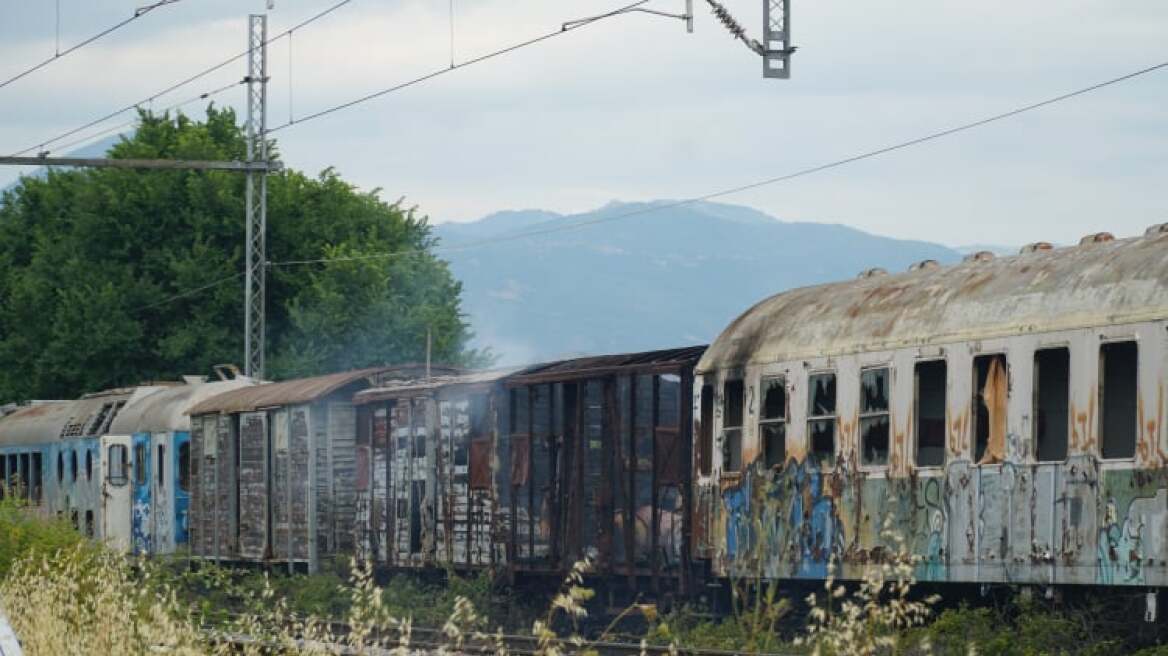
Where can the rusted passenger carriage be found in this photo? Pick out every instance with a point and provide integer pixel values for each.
(425, 480)
(593, 461)
(1005, 415)
(273, 470)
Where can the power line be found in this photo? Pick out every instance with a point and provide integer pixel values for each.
(142, 11)
(549, 227)
(121, 126)
(187, 293)
(201, 74)
(564, 29)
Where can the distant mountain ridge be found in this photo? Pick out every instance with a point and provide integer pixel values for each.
(668, 277)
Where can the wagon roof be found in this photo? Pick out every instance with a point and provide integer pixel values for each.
(1100, 282)
(165, 409)
(47, 421)
(302, 390)
(606, 364)
(402, 388)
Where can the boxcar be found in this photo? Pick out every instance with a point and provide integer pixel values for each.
(425, 480)
(593, 461)
(1005, 416)
(273, 469)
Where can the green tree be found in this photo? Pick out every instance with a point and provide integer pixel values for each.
(91, 263)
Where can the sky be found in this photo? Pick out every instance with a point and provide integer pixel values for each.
(633, 108)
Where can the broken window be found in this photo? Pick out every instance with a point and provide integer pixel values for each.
(930, 393)
(821, 418)
(161, 464)
(25, 478)
(88, 465)
(184, 467)
(1052, 376)
(118, 474)
(140, 462)
(732, 426)
(990, 391)
(706, 431)
(35, 476)
(1118, 363)
(73, 466)
(772, 424)
(89, 525)
(480, 442)
(60, 467)
(874, 416)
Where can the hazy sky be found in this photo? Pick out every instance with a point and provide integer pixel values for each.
(633, 108)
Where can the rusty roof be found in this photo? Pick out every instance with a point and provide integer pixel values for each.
(605, 364)
(48, 422)
(419, 387)
(300, 390)
(1098, 283)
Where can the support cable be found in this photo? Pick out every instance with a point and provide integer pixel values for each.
(549, 227)
(140, 12)
(564, 29)
(201, 74)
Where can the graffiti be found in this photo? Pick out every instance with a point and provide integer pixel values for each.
(788, 515)
(1119, 549)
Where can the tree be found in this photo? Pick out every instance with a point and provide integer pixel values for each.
(111, 277)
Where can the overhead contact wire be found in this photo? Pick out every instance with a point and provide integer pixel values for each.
(550, 227)
(564, 29)
(201, 74)
(58, 54)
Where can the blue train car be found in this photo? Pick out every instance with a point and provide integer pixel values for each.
(115, 463)
(49, 455)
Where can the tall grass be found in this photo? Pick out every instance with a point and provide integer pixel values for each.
(64, 596)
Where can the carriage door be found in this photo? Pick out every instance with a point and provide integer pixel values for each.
(162, 504)
(115, 490)
(141, 520)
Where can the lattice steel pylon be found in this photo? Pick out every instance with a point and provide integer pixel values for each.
(776, 38)
(257, 208)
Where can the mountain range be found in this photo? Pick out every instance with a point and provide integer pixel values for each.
(639, 276)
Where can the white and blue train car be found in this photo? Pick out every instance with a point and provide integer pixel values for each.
(147, 456)
(49, 455)
(115, 463)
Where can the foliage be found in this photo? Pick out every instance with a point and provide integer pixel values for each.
(24, 534)
(83, 600)
(872, 619)
(91, 263)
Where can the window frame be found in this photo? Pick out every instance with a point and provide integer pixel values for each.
(833, 418)
(140, 463)
(782, 421)
(861, 415)
(916, 424)
(1034, 391)
(976, 397)
(1125, 339)
(124, 478)
(727, 453)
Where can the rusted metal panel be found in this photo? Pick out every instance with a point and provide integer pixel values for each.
(342, 430)
(253, 486)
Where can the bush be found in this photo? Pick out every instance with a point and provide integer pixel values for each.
(24, 533)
